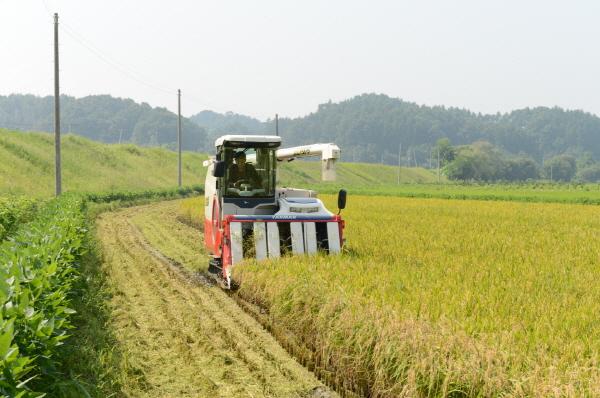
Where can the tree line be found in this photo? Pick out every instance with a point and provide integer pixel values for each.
(524, 144)
(530, 143)
(482, 161)
(102, 118)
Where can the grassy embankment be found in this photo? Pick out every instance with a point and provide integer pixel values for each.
(300, 173)
(438, 298)
(88, 166)
(27, 165)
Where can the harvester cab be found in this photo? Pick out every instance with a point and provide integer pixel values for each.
(247, 216)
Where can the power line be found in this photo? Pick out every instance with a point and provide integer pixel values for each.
(104, 57)
(127, 70)
(115, 65)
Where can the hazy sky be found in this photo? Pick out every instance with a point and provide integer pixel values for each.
(262, 57)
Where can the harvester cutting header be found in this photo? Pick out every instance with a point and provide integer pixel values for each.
(247, 216)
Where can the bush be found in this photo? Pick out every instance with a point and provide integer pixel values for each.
(149, 194)
(39, 270)
(13, 212)
(589, 174)
(560, 168)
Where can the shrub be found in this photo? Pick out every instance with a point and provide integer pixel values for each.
(39, 270)
(13, 212)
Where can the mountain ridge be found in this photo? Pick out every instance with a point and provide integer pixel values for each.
(372, 127)
(102, 118)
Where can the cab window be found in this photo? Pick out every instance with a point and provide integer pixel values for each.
(250, 172)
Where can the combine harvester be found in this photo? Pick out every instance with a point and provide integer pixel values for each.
(247, 216)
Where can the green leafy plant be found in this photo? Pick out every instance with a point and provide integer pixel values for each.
(13, 212)
(39, 268)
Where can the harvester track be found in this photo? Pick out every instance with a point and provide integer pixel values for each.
(182, 336)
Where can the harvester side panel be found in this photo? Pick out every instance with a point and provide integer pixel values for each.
(273, 240)
(310, 237)
(212, 232)
(236, 242)
(260, 240)
(297, 238)
(333, 234)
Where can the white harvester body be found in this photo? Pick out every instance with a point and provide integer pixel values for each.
(246, 215)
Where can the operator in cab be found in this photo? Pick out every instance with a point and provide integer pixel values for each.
(243, 173)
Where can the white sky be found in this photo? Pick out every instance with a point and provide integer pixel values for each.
(262, 57)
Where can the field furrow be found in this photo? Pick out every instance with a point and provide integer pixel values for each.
(181, 336)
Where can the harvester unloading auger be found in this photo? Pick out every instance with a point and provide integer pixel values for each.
(247, 216)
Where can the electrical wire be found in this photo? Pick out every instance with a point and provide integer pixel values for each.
(126, 70)
(110, 61)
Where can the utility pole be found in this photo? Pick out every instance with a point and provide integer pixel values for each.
(438, 173)
(399, 157)
(415, 158)
(179, 135)
(57, 170)
(277, 124)
(430, 159)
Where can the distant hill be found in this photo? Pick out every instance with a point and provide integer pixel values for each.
(102, 118)
(220, 123)
(371, 128)
(27, 167)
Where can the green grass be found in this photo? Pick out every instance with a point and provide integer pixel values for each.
(27, 167)
(300, 173)
(88, 166)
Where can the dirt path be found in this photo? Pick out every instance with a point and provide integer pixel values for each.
(181, 337)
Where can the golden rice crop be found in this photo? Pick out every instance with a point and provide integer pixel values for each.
(446, 298)
(191, 211)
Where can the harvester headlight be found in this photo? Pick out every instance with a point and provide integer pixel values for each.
(304, 209)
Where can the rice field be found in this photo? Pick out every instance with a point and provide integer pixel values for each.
(445, 298)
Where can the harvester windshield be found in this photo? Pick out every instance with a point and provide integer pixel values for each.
(250, 172)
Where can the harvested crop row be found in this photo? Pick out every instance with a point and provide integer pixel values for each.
(36, 278)
(180, 337)
(438, 297)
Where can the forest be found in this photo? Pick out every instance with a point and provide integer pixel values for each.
(531, 143)
(101, 118)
